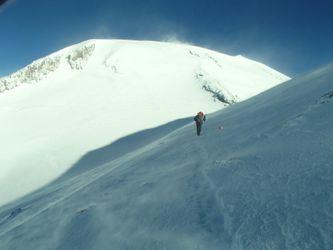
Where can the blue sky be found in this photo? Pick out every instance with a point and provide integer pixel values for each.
(292, 36)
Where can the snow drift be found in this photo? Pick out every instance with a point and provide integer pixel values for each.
(264, 182)
(85, 96)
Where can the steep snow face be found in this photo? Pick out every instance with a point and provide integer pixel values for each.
(263, 182)
(88, 95)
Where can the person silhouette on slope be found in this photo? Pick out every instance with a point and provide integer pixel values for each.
(199, 120)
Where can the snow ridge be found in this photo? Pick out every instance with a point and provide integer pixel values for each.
(33, 73)
(42, 68)
(218, 90)
(79, 57)
(212, 70)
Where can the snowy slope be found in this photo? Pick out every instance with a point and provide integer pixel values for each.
(85, 96)
(264, 182)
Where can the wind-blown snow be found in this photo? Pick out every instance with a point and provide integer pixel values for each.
(85, 96)
(264, 182)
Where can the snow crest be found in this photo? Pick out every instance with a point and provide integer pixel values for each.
(79, 58)
(42, 68)
(33, 73)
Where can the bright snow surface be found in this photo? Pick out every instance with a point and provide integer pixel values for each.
(88, 95)
(263, 182)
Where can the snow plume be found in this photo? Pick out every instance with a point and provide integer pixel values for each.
(104, 31)
(174, 38)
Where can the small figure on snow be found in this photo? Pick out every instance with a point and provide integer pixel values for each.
(199, 120)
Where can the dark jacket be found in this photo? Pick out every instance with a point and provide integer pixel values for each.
(199, 119)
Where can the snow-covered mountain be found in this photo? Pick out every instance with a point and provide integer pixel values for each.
(263, 182)
(85, 96)
(228, 78)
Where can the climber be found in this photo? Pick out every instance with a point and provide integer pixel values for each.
(199, 120)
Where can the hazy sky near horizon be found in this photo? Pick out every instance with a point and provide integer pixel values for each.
(292, 36)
